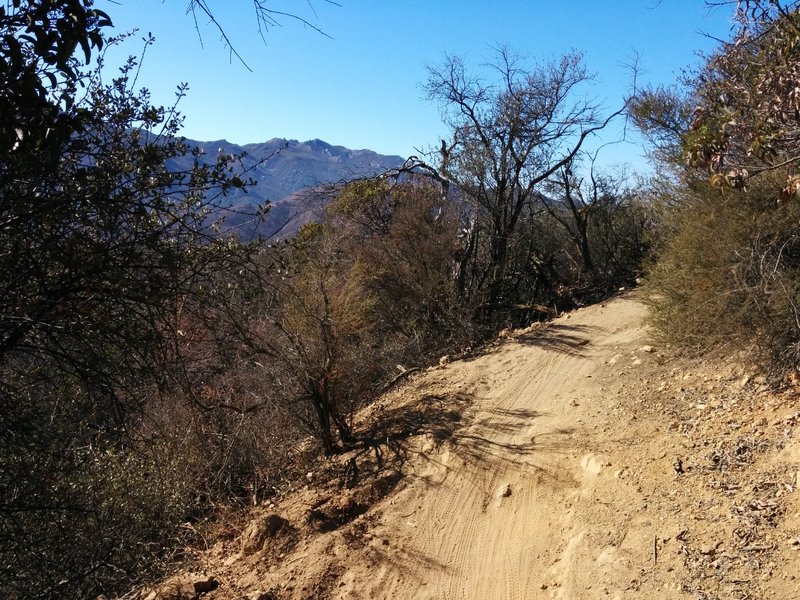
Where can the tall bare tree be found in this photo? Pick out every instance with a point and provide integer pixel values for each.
(510, 133)
(598, 212)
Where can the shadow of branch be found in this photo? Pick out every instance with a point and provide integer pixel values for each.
(388, 439)
(560, 337)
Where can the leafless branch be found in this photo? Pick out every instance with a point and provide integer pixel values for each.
(266, 18)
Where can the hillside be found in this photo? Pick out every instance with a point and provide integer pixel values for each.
(285, 173)
(571, 460)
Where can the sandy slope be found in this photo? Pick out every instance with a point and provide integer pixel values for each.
(546, 468)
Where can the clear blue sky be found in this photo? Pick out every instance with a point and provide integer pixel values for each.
(361, 88)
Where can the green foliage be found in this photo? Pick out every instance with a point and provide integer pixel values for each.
(662, 115)
(726, 275)
(730, 277)
(364, 200)
(104, 254)
(38, 71)
(746, 98)
(694, 301)
(308, 235)
(88, 516)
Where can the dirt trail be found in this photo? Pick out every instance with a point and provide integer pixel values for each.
(568, 461)
(500, 512)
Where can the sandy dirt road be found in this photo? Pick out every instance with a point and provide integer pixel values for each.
(506, 508)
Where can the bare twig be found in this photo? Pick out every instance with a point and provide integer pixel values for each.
(399, 377)
(265, 18)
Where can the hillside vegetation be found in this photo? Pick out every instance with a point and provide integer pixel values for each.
(569, 459)
(725, 271)
(158, 370)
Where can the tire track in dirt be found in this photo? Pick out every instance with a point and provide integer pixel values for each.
(498, 523)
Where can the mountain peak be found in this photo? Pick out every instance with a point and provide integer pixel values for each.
(282, 168)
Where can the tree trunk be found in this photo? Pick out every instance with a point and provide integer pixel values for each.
(322, 410)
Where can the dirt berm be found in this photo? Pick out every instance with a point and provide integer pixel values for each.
(571, 460)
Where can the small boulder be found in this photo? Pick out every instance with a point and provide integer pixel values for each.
(184, 587)
(259, 531)
(204, 586)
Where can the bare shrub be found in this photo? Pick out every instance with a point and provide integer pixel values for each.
(370, 287)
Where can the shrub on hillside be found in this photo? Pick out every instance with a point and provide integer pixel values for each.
(104, 250)
(369, 288)
(730, 276)
(727, 271)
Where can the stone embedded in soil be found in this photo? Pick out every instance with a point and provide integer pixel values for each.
(205, 586)
(184, 587)
(230, 560)
(710, 549)
(259, 530)
(259, 595)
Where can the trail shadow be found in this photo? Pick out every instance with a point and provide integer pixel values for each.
(411, 564)
(483, 443)
(560, 337)
(498, 437)
(478, 436)
(386, 439)
(373, 466)
(335, 510)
